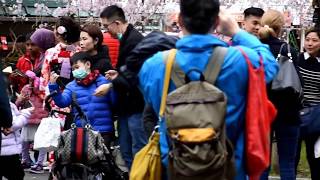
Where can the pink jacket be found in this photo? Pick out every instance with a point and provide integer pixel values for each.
(36, 97)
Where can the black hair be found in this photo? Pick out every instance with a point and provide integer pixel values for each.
(199, 16)
(72, 33)
(82, 57)
(28, 36)
(313, 30)
(113, 13)
(253, 11)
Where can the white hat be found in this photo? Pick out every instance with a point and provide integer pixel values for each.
(7, 70)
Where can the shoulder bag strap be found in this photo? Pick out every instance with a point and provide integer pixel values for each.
(169, 62)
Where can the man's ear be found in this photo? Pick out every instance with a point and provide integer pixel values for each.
(216, 23)
(243, 24)
(180, 21)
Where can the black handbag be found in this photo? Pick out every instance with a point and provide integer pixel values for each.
(82, 152)
(81, 144)
(287, 76)
(310, 120)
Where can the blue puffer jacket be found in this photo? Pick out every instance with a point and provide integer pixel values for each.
(97, 109)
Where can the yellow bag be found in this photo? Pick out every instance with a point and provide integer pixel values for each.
(147, 162)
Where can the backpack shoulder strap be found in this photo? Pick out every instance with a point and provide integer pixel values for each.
(169, 57)
(176, 75)
(215, 62)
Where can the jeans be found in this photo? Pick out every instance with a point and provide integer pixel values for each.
(287, 137)
(131, 136)
(26, 156)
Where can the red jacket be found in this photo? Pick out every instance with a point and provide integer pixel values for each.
(24, 64)
(113, 45)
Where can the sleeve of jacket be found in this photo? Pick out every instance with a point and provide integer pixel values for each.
(23, 65)
(106, 65)
(113, 97)
(151, 80)
(21, 119)
(121, 84)
(5, 110)
(251, 42)
(63, 99)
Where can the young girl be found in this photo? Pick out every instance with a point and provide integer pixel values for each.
(10, 166)
(31, 93)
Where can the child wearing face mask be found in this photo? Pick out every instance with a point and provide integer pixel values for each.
(97, 109)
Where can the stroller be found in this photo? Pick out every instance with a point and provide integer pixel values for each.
(82, 154)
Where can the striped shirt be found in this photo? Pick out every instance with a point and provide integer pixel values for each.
(309, 69)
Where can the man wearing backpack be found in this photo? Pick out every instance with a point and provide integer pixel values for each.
(198, 19)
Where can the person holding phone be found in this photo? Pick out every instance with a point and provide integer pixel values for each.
(32, 96)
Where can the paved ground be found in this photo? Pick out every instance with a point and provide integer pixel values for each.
(29, 176)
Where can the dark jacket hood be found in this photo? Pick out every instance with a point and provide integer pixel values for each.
(154, 42)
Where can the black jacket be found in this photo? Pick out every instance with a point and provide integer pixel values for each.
(101, 61)
(128, 42)
(154, 42)
(129, 101)
(287, 102)
(5, 110)
(151, 44)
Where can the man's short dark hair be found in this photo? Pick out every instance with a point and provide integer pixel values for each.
(253, 11)
(199, 16)
(72, 33)
(113, 13)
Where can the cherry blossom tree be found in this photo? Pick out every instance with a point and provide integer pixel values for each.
(136, 9)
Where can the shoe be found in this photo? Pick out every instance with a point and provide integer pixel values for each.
(38, 169)
(25, 165)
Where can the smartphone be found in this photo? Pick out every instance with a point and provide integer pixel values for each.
(27, 104)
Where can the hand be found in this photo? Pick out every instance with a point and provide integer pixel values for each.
(227, 24)
(53, 77)
(6, 131)
(103, 89)
(111, 75)
(25, 97)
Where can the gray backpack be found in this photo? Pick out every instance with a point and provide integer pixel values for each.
(195, 118)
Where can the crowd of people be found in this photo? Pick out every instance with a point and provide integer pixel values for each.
(121, 80)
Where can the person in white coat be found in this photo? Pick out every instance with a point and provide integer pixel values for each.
(11, 144)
